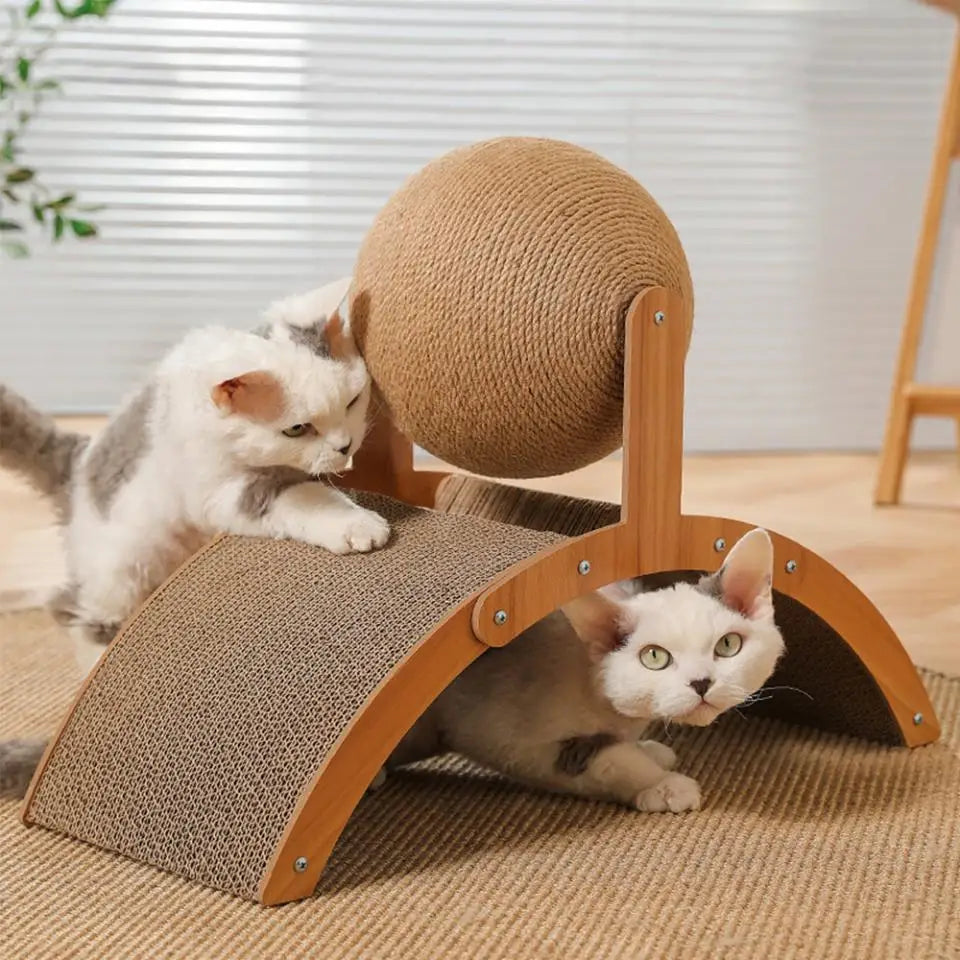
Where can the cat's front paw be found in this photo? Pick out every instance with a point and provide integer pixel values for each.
(359, 532)
(674, 792)
(659, 753)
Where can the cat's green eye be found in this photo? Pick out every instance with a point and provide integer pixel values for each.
(654, 657)
(728, 645)
(298, 430)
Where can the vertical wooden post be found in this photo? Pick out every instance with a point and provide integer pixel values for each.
(657, 330)
(900, 418)
(384, 464)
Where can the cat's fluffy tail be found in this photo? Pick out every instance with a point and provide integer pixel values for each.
(18, 760)
(31, 444)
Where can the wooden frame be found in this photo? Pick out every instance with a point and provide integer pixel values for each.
(909, 399)
(656, 340)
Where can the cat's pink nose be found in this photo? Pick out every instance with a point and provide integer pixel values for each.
(701, 686)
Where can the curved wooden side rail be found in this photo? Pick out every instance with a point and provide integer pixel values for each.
(325, 807)
(821, 588)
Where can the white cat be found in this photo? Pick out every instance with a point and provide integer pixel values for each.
(565, 704)
(229, 434)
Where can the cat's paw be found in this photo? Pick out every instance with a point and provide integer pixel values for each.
(674, 792)
(659, 753)
(359, 531)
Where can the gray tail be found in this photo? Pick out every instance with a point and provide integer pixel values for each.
(31, 444)
(18, 760)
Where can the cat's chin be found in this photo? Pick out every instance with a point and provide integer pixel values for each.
(701, 715)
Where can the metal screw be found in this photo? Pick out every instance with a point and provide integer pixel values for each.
(500, 618)
(790, 566)
(583, 567)
(659, 317)
(917, 719)
(300, 864)
(719, 544)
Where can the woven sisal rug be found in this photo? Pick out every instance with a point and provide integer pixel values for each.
(809, 846)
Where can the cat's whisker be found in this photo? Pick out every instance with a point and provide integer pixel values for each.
(785, 687)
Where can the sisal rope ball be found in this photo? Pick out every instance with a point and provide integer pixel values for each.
(489, 300)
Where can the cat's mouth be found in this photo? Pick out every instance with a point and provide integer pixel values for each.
(700, 716)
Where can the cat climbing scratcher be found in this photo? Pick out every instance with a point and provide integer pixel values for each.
(522, 305)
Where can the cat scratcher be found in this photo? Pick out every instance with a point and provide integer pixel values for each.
(234, 724)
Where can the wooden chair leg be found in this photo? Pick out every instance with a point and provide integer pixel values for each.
(897, 438)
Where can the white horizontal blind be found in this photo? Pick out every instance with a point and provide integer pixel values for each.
(243, 146)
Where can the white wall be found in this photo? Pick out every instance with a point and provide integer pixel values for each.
(243, 150)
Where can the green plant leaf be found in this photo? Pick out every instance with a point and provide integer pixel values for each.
(3, 86)
(48, 85)
(6, 151)
(95, 8)
(7, 225)
(33, 9)
(19, 175)
(57, 227)
(38, 211)
(10, 195)
(15, 249)
(82, 228)
(23, 69)
(90, 207)
(62, 202)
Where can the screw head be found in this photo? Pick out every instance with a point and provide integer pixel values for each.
(500, 618)
(790, 566)
(583, 567)
(917, 719)
(719, 544)
(659, 317)
(300, 864)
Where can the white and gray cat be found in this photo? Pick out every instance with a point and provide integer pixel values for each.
(231, 433)
(565, 705)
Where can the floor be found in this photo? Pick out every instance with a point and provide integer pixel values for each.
(906, 558)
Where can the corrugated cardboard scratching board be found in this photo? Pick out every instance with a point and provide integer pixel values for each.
(234, 724)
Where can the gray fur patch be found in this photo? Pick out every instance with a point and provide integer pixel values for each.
(711, 586)
(102, 633)
(575, 754)
(264, 485)
(314, 337)
(63, 604)
(31, 444)
(63, 609)
(18, 760)
(114, 457)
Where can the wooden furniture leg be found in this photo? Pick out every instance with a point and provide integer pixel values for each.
(908, 398)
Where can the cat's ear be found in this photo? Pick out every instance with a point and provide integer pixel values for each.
(339, 342)
(257, 395)
(598, 621)
(744, 582)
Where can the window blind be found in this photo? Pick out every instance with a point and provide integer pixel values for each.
(242, 148)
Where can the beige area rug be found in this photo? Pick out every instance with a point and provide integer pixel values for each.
(809, 846)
